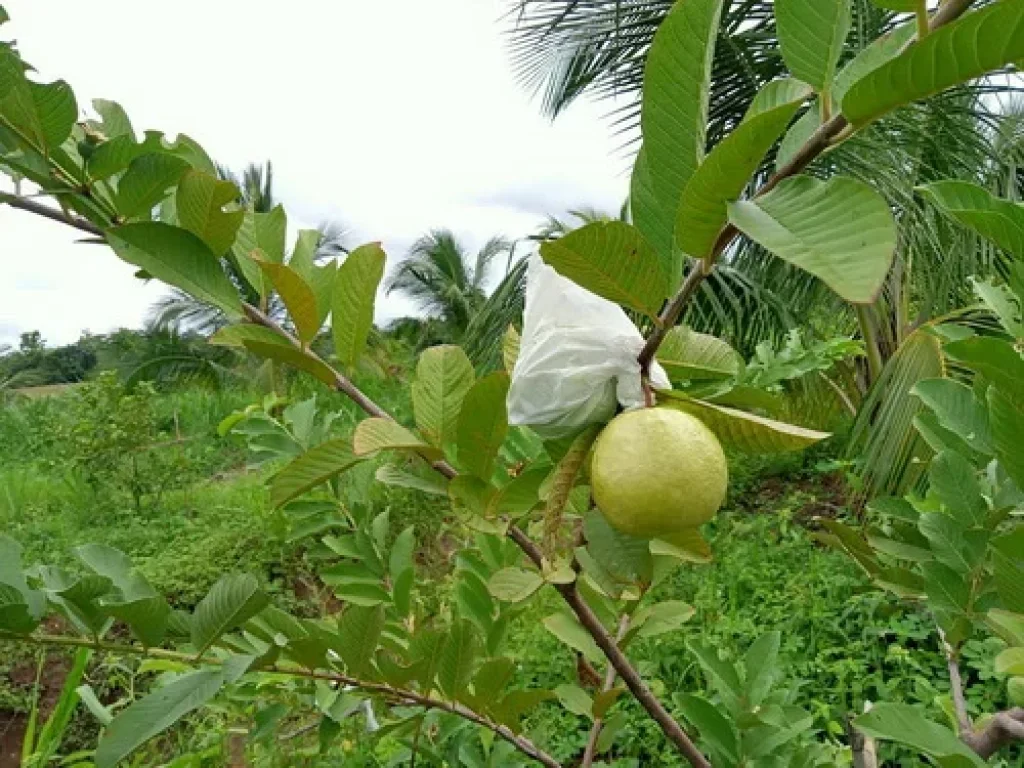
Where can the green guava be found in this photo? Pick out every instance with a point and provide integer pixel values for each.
(1016, 690)
(658, 471)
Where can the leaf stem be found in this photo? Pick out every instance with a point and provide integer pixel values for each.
(956, 686)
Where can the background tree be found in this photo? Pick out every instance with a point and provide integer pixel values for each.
(444, 282)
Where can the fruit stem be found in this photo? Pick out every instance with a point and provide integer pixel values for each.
(645, 384)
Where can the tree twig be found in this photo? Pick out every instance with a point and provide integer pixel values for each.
(55, 214)
(956, 686)
(609, 681)
(394, 694)
(1002, 730)
(646, 698)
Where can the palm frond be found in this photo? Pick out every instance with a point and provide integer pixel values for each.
(438, 277)
(334, 240)
(890, 451)
(179, 310)
(504, 307)
(493, 248)
(180, 370)
(562, 49)
(555, 226)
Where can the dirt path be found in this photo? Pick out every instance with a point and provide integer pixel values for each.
(12, 733)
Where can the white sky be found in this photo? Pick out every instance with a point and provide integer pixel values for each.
(393, 117)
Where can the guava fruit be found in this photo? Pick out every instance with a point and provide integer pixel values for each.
(657, 471)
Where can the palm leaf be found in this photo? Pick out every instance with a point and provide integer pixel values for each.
(504, 307)
(890, 451)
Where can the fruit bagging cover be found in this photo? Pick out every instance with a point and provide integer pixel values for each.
(577, 358)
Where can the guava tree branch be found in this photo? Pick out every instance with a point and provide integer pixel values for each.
(610, 648)
(341, 382)
(819, 141)
(963, 720)
(49, 212)
(609, 680)
(584, 613)
(1001, 731)
(392, 694)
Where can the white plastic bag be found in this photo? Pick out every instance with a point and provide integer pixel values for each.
(577, 357)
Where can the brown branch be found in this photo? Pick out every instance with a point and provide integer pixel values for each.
(1002, 730)
(586, 616)
(55, 214)
(399, 695)
(819, 141)
(609, 680)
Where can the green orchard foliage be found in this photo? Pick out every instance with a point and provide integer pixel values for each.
(959, 548)
(417, 652)
(114, 439)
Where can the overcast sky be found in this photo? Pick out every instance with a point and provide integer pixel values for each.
(391, 117)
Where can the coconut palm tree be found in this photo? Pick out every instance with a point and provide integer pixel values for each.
(439, 276)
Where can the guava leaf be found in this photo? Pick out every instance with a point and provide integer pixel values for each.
(722, 176)
(688, 355)
(200, 203)
(297, 295)
(483, 424)
(443, 377)
(907, 725)
(840, 231)
(979, 42)
(744, 431)
(514, 585)
(355, 293)
(314, 467)
(613, 260)
(271, 345)
(673, 120)
(811, 35)
(179, 258)
(379, 434)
